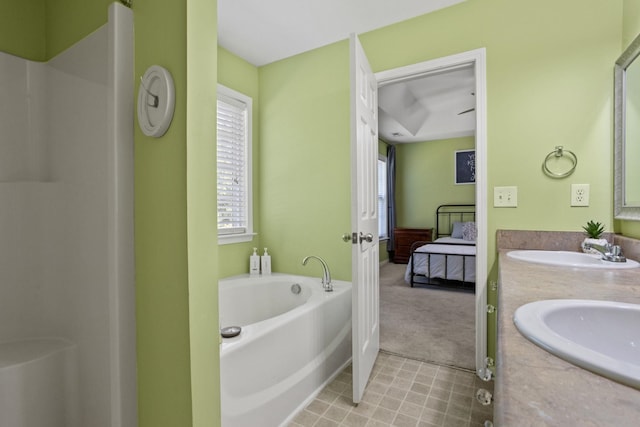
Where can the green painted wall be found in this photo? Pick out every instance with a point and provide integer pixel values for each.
(176, 239)
(202, 64)
(425, 179)
(384, 255)
(239, 75)
(164, 394)
(22, 29)
(305, 192)
(630, 22)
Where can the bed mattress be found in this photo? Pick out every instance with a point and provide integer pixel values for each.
(450, 266)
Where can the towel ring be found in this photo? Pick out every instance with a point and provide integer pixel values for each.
(559, 152)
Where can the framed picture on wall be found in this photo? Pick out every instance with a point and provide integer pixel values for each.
(465, 166)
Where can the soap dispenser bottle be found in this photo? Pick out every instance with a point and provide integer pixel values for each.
(254, 263)
(266, 262)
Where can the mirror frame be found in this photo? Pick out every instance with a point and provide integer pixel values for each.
(620, 211)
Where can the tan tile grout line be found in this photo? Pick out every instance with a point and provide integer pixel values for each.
(384, 367)
(429, 362)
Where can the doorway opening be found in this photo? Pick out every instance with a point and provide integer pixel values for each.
(395, 83)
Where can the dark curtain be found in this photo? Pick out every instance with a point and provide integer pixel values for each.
(391, 198)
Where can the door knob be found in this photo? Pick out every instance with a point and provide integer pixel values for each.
(368, 238)
(355, 239)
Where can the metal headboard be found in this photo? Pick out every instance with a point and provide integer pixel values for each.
(446, 215)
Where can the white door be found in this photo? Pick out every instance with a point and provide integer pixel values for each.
(364, 217)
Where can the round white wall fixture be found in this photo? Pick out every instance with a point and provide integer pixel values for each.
(156, 101)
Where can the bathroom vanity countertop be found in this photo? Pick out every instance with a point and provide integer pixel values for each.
(534, 387)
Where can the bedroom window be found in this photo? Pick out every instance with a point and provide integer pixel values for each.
(382, 197)
(235, 216)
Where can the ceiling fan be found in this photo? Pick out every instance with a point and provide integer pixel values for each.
(470, 109)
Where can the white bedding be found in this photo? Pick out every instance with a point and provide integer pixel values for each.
(454, 263)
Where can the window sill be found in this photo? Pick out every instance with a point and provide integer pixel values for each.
(227, 239)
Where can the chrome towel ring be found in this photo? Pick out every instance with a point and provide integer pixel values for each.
(560, 152)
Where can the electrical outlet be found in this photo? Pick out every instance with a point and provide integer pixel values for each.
(505, 197)
(579, 194)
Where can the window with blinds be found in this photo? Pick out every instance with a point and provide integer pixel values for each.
(234, 163)
(383, 233)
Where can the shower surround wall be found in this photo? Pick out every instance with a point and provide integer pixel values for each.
(66, 212)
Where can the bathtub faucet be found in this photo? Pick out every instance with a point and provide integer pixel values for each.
(326, 275)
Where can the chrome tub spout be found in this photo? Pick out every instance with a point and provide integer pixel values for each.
(326, 274)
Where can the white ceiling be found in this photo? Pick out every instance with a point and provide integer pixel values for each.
(428, 108)
(264, 31)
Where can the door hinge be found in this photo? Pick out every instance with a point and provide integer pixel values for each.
(485, 374)
(484, 397)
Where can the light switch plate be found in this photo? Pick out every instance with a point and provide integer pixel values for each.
(505, 197)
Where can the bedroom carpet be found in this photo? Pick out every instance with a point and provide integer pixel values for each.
(431, 325)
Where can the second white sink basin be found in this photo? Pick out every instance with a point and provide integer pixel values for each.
(569, 259)
(601, 336)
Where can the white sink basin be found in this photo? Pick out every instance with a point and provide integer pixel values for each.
(569, 259)
(601, 336)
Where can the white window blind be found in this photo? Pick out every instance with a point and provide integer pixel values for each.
(382, 197)
(234, 166)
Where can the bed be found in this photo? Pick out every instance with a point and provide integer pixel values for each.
(450, 260)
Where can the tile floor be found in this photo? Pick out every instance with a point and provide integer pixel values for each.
(401, 392)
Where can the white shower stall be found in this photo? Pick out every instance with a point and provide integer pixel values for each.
(67, 296)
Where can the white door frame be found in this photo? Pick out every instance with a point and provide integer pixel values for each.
(476, 57)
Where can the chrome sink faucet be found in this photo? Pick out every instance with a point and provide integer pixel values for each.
(612, 253)
(326, 275)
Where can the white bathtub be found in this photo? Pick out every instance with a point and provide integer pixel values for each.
(291, 345)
